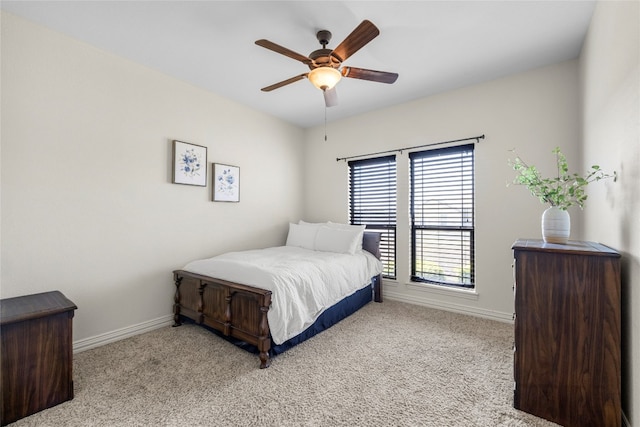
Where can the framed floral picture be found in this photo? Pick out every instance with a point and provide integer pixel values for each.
(189, 164)
(226, 183)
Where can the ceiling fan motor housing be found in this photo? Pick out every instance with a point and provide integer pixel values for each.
(323, 58)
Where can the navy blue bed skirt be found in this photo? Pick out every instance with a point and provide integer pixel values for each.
(328, 318)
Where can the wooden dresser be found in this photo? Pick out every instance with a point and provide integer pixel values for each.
(37, 353)
(567, 332)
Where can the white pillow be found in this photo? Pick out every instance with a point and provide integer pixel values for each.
(313, 224)
(349, 227)
(340, 240)
(302, 236)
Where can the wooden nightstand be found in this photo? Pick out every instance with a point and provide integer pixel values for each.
(37, 354)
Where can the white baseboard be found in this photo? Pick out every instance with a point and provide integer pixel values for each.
(447, 306)
(120, 334)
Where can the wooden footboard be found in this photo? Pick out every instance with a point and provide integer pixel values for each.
(236, 310)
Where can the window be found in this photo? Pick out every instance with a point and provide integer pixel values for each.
(372, 202)
(442, 216)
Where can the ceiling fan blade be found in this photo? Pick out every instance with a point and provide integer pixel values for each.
(284, 83)
(363, 34)
(330, 97)
(372, 75)
(283, 50)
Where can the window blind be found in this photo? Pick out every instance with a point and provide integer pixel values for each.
(442, 216)
(372, 202)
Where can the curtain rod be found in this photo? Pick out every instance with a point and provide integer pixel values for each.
(477, 138)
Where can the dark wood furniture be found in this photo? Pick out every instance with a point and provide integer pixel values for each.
(236, 310)
(37, 353)
(567, 332)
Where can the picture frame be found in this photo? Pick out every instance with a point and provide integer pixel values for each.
(189, 164)
(226, 183)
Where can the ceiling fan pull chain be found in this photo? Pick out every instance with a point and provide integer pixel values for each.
(325, 122)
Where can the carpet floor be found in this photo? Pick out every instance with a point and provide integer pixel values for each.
(390, 364)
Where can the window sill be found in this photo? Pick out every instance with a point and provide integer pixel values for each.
(470, 294)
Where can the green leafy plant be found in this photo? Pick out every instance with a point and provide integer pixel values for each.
(564, 190)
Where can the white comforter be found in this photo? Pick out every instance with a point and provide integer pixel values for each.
(303, 282)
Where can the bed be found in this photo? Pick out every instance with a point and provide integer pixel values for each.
(268, 300)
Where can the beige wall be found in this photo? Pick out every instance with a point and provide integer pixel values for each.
(88, 207)
(610, 80)
(532, 112)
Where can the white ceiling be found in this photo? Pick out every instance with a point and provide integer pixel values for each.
(434, 46)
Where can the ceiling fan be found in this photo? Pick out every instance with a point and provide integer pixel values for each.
(325, 65)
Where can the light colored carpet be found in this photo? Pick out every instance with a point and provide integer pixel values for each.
(390, 364)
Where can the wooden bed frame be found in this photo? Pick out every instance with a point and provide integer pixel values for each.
(236, 310)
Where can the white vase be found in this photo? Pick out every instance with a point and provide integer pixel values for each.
(556, 225)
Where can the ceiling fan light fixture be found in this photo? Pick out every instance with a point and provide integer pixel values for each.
(324, 78)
